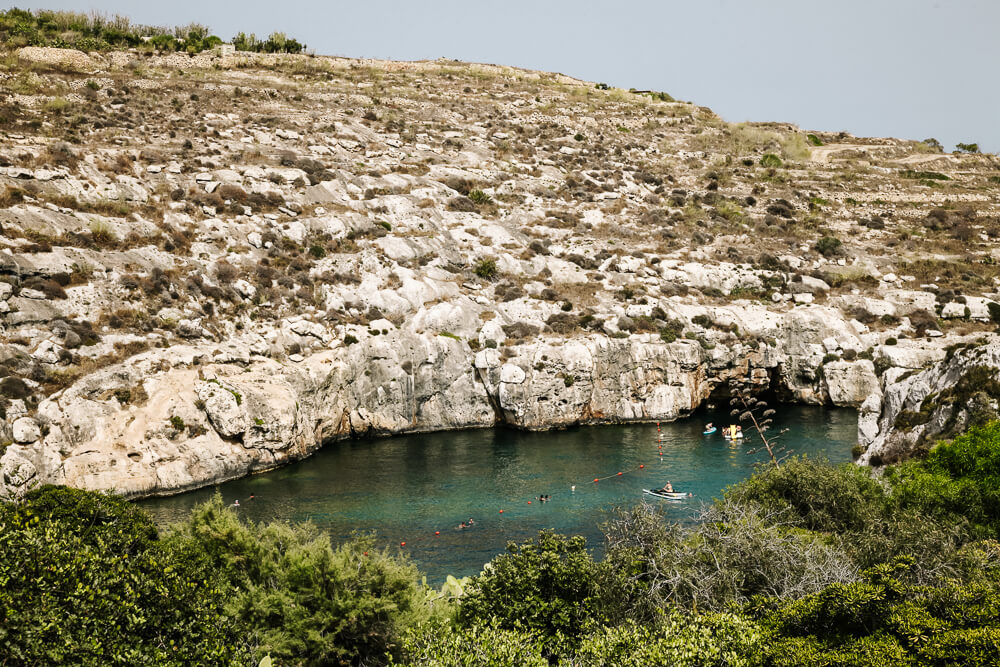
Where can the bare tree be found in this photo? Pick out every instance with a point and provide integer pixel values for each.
(750, 408)
(733, 552)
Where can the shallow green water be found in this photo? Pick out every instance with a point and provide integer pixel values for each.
(406, 488)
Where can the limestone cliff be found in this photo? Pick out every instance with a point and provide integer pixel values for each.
(211, 266)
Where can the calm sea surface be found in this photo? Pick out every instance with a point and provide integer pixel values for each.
(409, 487)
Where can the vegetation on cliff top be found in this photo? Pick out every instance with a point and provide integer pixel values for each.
(806, 564)
(96, 32)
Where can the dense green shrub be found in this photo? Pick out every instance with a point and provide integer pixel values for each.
(883, 621)
(671, 330)
(277, 42)
(304, 600)
(549, 586)
(437, 645)
(731, 554)
(959, 481)
(824, 498)
(678, 640)
(96, 32)
(828, 246)
(84, 580)
(770, 160)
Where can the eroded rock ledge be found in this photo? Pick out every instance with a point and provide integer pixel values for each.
(211, 414)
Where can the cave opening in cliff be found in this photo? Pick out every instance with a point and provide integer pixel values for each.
(765, 385)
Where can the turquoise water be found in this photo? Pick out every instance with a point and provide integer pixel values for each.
(409, 487)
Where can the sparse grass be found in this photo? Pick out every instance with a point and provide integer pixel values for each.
(58, 106)
(795, 147)
(486, 268)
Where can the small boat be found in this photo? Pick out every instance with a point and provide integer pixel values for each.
(710, 431)
(738, 436)
(669, 495)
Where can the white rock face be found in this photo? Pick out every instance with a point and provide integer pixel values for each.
(939, 417)
(953, 309)
(245, 289)
(511, 374)
(851, 383)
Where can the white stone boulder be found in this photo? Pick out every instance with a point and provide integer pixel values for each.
(307, 328)
(25, 430)
(851, 383)
(223, 408)
(952, 310)
(47, 352)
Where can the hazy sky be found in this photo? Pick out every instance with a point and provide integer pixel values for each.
(904, 68)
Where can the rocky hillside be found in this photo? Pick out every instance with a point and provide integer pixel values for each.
(215, 265)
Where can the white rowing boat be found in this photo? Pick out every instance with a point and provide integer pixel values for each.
(669, 495)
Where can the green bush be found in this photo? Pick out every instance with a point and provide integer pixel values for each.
(883, 621)
(679, 640)
(548, 586)
(479, 197)
(924, 175)
(994, 309)
(305, 601)
(732, 554)
(97, 32)
(770, 160)
(671, 331)
(84, 580)
(824, 498)
(444, 646)
(486, 268)
(828, 246)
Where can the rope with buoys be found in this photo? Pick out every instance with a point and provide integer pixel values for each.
(620, 473)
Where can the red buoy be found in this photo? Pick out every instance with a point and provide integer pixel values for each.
(619, 473)
(501, 511)
(641, 466)
(595, 479)
(402, 544)
(437, 532)
(529, 502)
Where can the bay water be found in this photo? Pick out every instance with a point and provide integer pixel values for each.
(418, 489)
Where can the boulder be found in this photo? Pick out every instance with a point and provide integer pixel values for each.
(851, 383)
(223, 407)
(25, 430)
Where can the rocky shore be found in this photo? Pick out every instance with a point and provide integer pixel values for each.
(214, 266)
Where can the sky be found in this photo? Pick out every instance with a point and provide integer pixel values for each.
(912, 69)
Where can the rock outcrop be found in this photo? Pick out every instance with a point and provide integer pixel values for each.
(66, 60)
(921, 407)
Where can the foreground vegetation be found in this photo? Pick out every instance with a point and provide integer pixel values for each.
(806, 564)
